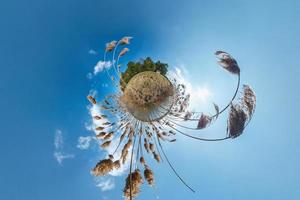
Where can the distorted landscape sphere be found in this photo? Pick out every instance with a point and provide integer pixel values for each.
(148, 96)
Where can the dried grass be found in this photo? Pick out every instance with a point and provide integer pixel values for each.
(217, 109)
(149, 176)
(125, 150)
(123, 52)
(97, 117)
(92, 99)
(105, 144)
(146, 145)
(227, 62)
(99, 128)
(132, 185)
(142, 160)
(110, 46)
(236, 121)
(204, 121)
(117, 164)
(103, 167)
(156, 156)
(101, 135)
(249, 100)
(108, 136)
(125, 40)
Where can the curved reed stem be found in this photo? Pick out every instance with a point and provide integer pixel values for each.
(197, 138)
(171, 166)
(130, 168)
(225, 108)
(114, 53)
(107, 72)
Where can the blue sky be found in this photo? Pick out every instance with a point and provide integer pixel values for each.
(44, 61)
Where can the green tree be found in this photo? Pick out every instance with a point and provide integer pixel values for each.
(134, 68)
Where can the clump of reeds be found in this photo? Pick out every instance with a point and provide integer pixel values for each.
(248, 99)
(97, 117)
(236, 121)
(110, 46)
(133, 183)
(123, 52)
(101, 134)
(228, 62)
(103, 167)
(105, 144)
(117, 164)
(204, 121)
(125, 150)
(241, 113)
(125, 40)
(156, 156)
(146, 145)
(149, 176)
(92, 99)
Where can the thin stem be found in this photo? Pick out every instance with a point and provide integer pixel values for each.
(225, 108)
(107, 72)
(162, 150)
(197, 138)
(115, 69)
(130, 172)
(120, 141)
(236, 91)
(138, 152)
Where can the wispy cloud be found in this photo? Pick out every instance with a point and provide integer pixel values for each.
(93, 52)
(60, 156)
(200, 94)
(59, 153)
(104, 85)
(99, 67)
(84, 142)
(58, 140)
(105, 184)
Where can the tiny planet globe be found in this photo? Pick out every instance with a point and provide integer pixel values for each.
(148, 96)
(150, 107)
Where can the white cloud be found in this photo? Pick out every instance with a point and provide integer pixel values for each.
(59, 154)
(92, 52)
(105, 184)
(58, 140)
(89, 75)
(104, 85)
(101, 65)
(200, 94)
(84, 142)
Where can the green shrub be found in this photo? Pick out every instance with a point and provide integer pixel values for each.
(134, 68)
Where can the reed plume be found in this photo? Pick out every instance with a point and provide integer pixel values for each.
(133, 183)
(149, 176)
(103, 167)
(249, 99)
(204, 121)
(227, 62)
(105, 144)
(236, 121)
(92, 99)
(110, 46)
